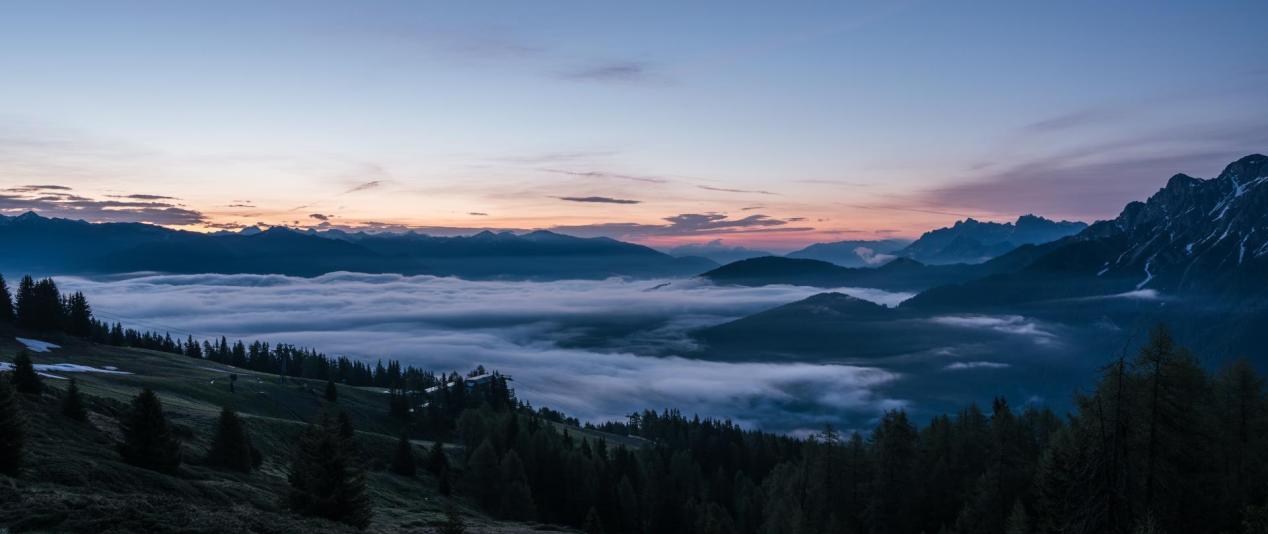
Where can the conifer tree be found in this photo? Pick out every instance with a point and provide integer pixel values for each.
(1018, 522)
(12, 430)
(324, 479)
(231, 447)
(6, 302)
(454, 523)
(593, 525)
(332, 394)
(483, 475)
(516, 501)
(24, 303)
(73, 403)
(78, 315)
(403, 462)
(436, 459)
(25, 379)
(147, 439)
(443, 484)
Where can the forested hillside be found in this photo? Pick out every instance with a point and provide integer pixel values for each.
(210, 436)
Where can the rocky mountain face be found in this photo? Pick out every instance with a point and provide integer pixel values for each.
(1194, 234)
(973, 241)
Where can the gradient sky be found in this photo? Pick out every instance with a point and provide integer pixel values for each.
(765, 124)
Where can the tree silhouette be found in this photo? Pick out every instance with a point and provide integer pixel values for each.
(231, 447)
(12, 430)
(6, 302)
(324, 479)
(78, 315)
(483, 475)
(25, 379)
(453, 523)
(516, 501)
(436, 459)
(147, 439)
(73, 402)
(403, 462)
(332, 394)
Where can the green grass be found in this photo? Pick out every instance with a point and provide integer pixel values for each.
(73, 480)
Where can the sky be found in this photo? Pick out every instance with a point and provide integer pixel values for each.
(763, 124)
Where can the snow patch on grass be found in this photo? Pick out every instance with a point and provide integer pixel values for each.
(35, 345)
(45, 368)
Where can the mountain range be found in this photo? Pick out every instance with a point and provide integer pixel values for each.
(973, 241)
(1194, 254)
(63, 246)
(853, 253)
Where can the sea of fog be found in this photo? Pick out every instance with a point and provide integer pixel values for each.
(596, 349)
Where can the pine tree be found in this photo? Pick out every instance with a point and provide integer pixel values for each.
(324, 479)
(332, 394)
(1018, 522)
(78, 315)
(593, 525)
(6, 303)
(403, 462)
(454, 523)
(25, 379)
(516, 501)
(436, 459)
(483, 475)
(231, 447)
(12, 430)
(147, 440)
(895, 442)
(443, 485)
(24, 303)
(73, 403)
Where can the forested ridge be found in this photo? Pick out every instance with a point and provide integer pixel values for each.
(1155, 444)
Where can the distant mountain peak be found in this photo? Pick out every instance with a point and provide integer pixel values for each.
(974, 241)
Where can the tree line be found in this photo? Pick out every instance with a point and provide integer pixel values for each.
(39, 306)
(1157, 445)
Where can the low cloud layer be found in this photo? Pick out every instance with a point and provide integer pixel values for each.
(687, 224)
(541, 333)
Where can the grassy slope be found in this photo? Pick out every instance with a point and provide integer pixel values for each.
(74, 481)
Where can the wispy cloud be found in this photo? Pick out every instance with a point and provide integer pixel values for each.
(373, 184)
(35, 188)
(961, 366)
(686, 224)
(620, 71)
(319, 216)
(57, 201)
(729, 190)
(142, 196)
(601, 174)
(600, 200)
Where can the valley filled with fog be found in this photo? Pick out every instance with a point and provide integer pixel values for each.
(596, 349)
